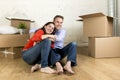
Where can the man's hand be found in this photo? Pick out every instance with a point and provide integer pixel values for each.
(52, 37)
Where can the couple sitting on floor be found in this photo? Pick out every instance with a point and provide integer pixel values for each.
(45, 48)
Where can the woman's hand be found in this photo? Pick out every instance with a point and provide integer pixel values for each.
(34, 43)
(51, 37)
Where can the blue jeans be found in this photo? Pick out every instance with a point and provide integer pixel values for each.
(69, 51)
(38, 54)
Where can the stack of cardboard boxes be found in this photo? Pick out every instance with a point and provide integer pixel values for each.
(99, 29)
(11, 45)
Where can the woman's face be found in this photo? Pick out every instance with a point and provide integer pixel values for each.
(49, 28)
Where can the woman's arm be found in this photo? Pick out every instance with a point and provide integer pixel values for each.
(51, 37)
(39, 35)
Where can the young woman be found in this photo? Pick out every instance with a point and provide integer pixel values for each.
(37, 50)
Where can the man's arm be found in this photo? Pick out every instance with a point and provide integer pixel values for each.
(61, 35)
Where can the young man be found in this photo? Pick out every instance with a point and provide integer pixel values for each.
(61, 51)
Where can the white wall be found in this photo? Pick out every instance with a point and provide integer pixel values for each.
(43, 11)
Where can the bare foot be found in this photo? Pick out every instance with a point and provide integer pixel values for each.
(48, 70)
(59, 68)
(35, 67)
(68, 68)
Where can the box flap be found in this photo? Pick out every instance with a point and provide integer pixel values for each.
(111, 17)
(92, 15)
(80, 20)
(19, 19)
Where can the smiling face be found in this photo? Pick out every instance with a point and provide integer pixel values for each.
(58, 23)
(58, 20)
(49, 28)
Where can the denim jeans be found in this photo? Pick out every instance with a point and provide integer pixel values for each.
(38, 54)
(69, 51)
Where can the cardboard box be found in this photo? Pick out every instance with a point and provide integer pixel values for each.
(14, 40)
(11, 53)
(15, 22)
(1, 53)
(97, 25)
(104, 47)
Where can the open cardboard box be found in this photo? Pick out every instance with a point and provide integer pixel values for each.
(14, 41)
(97, 25)
(15, 22)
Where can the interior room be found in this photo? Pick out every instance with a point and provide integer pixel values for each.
(94, 25)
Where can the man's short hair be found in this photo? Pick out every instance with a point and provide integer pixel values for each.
(58, 16)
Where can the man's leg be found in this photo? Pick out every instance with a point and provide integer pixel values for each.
(54, 59)
(70, 52)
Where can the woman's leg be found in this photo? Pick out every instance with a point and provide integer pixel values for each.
(39, 53)
(31, 55)
(45, 51)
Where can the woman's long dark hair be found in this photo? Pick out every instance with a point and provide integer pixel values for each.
(43, 28)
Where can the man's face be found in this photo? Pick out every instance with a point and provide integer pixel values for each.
(58, 23)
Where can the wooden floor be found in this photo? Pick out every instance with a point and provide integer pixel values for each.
(88, 68)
